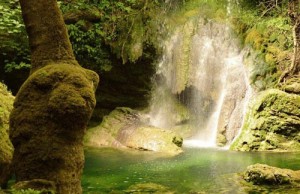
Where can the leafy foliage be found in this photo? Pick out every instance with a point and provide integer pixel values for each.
(127, 27)
(14, 47)
(267, 29)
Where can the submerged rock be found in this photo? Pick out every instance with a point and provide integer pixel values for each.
(125, 128)
(42, 185)
(6, 148)
(272, 123)
(262, 174)
(149, 188)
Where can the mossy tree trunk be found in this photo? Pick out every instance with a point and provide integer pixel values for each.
(294, 9)
(52, 108)
(294, 14)
(48, 38)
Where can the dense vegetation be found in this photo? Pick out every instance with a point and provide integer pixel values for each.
(267, 28)
(122, 41)
(104, 32)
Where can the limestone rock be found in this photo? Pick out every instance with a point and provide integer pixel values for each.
(6, 148)
(125, 127)
(261, 174)
(106, 133)
(231, 115)
(272, 123)
(151, 139)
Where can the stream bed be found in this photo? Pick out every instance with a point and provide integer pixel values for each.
(194, 171)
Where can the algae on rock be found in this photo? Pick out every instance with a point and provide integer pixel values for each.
(272, 123)
(148, 188)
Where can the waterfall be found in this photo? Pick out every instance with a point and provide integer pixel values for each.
(200, 84)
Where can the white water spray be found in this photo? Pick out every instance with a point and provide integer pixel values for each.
(201, 70)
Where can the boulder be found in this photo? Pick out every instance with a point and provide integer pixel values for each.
(262, 174)
(127, 128)
(150, 138)
(6, 148)
(272, 123)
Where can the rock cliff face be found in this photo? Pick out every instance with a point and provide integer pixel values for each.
(126, 128)
(235, 100)
(272, 123)
(125, 85)
(6, 148)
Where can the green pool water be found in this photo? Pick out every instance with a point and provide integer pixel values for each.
(194, 171)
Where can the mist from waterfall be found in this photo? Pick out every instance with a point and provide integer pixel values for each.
(200, 84)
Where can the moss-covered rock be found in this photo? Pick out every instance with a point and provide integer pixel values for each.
(271, 123)
(106, 133)
(261, 174)
(127, 128)
(6, 148)
(292, 85)
(48, 123)
(152, 139)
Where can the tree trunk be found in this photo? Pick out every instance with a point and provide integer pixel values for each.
(295, 19)
(48, 38)
(294, 15)
(53, 106)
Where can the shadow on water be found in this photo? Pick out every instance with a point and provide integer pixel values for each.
(194, 171)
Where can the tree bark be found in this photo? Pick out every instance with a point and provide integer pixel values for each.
(294, 15)
(48, 37)
(53, 106)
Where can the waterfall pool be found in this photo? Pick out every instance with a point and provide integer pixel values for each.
(193, 171)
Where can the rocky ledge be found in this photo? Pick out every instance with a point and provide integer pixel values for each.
(272, 123)
(127, 128)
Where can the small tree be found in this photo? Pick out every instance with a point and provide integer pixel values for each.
(52, 108)
(294, 14)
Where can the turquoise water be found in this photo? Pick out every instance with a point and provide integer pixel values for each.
(193, 171)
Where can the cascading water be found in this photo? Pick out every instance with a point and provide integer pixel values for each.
(200, 84)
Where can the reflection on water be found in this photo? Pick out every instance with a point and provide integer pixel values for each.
(194, 171)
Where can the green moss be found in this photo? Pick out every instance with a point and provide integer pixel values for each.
(6, 104)
(271, 41)
(6, 148)
(291, 85)
(254, 38)
(271, 123)
(50, 115)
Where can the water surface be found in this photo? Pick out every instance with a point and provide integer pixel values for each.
(194, 171)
